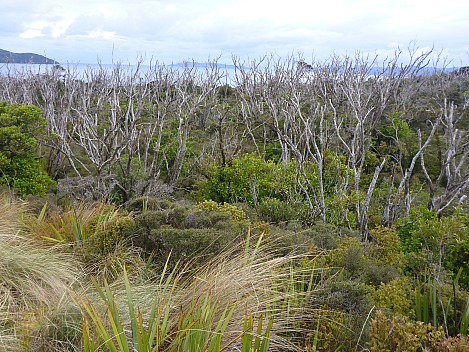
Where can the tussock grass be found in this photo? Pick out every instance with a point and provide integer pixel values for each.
(249, 297)
(93, 233)
(34, 284)
(241, 297)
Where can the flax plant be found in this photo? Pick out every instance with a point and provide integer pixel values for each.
(237, 301)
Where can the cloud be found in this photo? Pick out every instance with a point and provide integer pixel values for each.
(180, 29)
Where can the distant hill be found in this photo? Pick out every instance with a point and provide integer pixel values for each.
(202, 65)
(7, 57)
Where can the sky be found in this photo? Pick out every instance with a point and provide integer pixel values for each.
(172, 31)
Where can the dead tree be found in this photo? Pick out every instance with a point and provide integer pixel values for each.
(452, 182)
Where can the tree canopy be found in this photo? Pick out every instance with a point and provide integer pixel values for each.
(19, 164)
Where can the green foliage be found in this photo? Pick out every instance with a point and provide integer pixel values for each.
(107, 229)
(187, 245)
(144, 204)
(398, 136)
(408, 226)
(442, 303)
(325, 236)
(457, 257)
(20, 126)
(360, 264)
(190, 233)
(128, 175)
(395, 296)
(340, 313)
(387, 248)
(277, 211)
(99, 234)
(273, 151)
(349, 296)
(400, 334)
(269, 188)
(209, 206)
(249, 179)
(169, 145)
(107, 245)
(255, 338)
(442, 240)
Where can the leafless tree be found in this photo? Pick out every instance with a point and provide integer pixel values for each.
(121, 124)
(452, 181)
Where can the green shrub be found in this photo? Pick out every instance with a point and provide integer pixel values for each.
(20, 126)
(395, 296)
(249, 179)
(283, 240)
(198, 220)
(188, 231)
(176, 216)
(334, 331)
(442, 240)
(341, 309)
(210, 206)
(107, 229)
(358, 261)
(349, 296)
(401, 334)
(143, 204)
(276, 211)
(324, 235)
(188, 244)
(219, 218)
(387, 247)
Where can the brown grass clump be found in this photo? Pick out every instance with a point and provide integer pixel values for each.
(34, 283)
(218, 300)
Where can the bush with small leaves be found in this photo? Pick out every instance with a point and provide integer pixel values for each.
(358, 261)
(324, 235)
(197, 220)
(20, 169)
(334, 331)
(459, 343)
(107, 231)
(387, 247)
(341, 310)
(390, 334)
(437, 241)
(349, 296)
(210, 206)
(276, 211)
(395, 296)
(193, 245)
(143, 204)
(188, 231)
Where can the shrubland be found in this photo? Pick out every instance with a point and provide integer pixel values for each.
(291, 206)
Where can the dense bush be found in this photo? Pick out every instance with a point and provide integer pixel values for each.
(20, 169)
(401, 334)
(187, 231)
(249, 179)
(396, 296)
(433, 241)
(359, 264)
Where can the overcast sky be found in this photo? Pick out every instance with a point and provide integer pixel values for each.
(170, 31)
